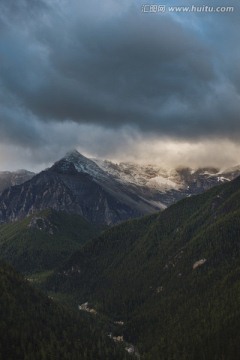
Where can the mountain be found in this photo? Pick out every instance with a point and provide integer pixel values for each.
(231, 173)
(8, 178)
(43, 240)
(106, 193)
(34, 327)
(171, 279)
(77, 185)
(167, 185)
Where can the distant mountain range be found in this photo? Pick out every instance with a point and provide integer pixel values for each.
(101, 191)
(8, 178)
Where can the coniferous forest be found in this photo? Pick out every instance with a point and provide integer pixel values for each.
(172, 278)
(166, 284)
(33, 326)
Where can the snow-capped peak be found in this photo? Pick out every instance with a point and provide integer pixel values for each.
(150, 176)
(82, 164)
(75, 156)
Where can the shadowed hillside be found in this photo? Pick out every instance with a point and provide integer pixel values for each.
(172, 278)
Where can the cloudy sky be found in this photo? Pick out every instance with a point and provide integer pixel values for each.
(118, 83)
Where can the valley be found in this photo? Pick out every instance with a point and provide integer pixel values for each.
(172, 273)
(161, 285)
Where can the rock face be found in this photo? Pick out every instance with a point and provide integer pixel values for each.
(43, 224)
(65, 187)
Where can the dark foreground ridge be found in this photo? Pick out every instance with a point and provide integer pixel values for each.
(33, 327)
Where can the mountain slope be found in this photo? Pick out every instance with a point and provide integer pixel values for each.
(33, 327)
(64, 187)
(106, 193)
(167, 185)
(43, 240)
(172, 278)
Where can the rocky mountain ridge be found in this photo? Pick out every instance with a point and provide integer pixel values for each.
(106, 193)
(63, 187)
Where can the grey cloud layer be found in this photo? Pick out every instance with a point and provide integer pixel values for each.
(112, 66)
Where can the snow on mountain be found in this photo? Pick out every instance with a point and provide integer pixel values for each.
(231, 173)
(157, 178)
(83, 164)
(102, 191)
(151, 176)
(163, 184)
(152, 183)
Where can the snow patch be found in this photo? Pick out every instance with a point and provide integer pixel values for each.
(161, 183)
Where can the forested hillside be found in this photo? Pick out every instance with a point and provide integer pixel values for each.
(43, 240)
(172, 278)
(33, 327)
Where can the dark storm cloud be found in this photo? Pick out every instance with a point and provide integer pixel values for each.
(112, 67)
(22, 10)
(124, 72)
